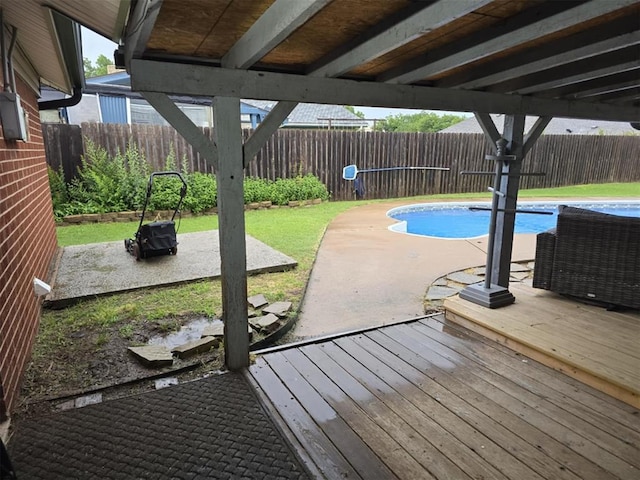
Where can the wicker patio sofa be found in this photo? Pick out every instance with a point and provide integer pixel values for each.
(591, 255)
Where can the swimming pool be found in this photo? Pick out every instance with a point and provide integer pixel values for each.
(454, 220)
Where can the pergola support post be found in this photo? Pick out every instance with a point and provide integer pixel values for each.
(494, 292)
(230, 176)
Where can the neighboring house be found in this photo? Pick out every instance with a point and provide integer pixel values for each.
(47, 51)
(109, 99)
(557, 126)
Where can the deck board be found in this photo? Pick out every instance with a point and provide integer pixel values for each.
(431, 399)
(589, 343)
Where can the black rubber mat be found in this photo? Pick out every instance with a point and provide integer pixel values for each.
(210, 428)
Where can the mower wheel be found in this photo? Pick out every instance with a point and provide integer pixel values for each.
(174, 250)
(135, 251)
(127, 244)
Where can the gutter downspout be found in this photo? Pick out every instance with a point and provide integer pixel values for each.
(63, 102)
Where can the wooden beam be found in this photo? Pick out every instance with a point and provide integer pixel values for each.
(201, 80)
(275, 25)
(491, 133)
(581, 13)
(428, 18)
(183, 124)
(534, 133)
(270, 124)
(230, 176)
(581, 76)
(551, 61)
(139, 29)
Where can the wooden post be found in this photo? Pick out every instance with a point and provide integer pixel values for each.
(510, 183)
(230, 176)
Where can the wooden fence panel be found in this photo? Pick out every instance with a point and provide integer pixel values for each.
(63, 147)
(566, 159)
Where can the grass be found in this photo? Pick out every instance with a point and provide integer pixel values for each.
(296, 232)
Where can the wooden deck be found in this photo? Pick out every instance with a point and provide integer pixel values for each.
(429, 399)
(596, 346)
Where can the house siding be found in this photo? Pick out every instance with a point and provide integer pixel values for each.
(28, 244)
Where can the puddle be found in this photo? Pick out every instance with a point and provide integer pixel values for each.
(189, 332)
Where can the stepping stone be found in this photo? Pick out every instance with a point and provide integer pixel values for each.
(279, 308)
(197, 346)
(88, 400)
(68, 405)
(531, 265)
(464, 278)
(519, 276)
(439, 292)
(252, 313)
(441, 282)
(165, 382)
(257, 301)
(516, 267)
(478, 271)
(268, 323)
(215, 330)
(152, 355)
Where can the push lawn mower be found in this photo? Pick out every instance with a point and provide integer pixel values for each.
(159, 237)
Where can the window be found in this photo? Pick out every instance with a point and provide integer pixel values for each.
(142, 112)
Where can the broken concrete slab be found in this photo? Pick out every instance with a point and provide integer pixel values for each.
(197, 346)
(267, 323)
(464, 278)
(441, 282)
(152, 355)
(214, 330)
(257, 301)
(278, 308)
(439, 292)
(519, 276)
(217, 330)
(516, 267)
(88, 400)
(68, 405)
(165, 382)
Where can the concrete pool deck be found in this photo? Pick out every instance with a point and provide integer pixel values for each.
(366, 275)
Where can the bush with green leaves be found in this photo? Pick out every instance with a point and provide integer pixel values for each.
(99, 182)
(104, 184)
(256, 189)
(202, 192)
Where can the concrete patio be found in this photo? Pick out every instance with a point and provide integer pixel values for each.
(103, 268)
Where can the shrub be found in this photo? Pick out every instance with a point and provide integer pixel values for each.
(256, 190)
(99, 181)
(134, 184)
(202, 192)
(105, 184)
(59, 194)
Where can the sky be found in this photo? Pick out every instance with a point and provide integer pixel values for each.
(94, 45)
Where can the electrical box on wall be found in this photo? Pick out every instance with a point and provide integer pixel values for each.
(14, 125)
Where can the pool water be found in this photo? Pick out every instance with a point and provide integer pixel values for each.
(456, 221)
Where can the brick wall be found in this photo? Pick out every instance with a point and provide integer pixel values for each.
(27, 246)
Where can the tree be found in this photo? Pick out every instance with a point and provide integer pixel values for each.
(352, 109)
(418, 122)
(100, 67)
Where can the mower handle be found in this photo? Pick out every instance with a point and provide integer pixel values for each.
(183, 190)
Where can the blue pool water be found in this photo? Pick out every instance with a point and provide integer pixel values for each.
(456, 221)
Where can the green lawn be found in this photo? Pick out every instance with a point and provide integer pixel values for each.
(296, 232)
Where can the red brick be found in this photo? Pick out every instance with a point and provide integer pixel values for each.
(27, 246)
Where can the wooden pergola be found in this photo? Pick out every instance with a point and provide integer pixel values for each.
(548, 59)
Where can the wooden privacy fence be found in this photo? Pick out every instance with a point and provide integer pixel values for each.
(566, 159)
